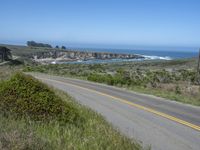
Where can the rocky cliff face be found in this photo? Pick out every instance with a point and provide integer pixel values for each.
(80, 55)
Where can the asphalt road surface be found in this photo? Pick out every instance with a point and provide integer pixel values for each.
(155, 122)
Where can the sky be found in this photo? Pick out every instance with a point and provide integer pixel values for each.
(102, 23)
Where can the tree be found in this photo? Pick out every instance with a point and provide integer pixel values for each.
(35, 44)
(5, 53)
(63, 47)
(31, 43)
(57, 47)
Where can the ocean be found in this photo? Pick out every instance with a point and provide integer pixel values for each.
(154, 54)
(148, 54)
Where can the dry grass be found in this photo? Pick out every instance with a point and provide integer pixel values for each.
(6, 71)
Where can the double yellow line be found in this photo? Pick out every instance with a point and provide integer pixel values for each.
(196, 127)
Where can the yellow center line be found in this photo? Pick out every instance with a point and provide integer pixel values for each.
(193, 126)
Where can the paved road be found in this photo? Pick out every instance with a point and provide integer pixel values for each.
(162, 124)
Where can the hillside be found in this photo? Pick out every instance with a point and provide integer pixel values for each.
(34, 116)
(25, 51)
(175, 80)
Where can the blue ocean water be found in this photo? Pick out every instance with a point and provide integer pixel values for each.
(152, 54)
(148, 54)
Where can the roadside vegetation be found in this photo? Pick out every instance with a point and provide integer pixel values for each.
(10, 68)
(176, 80)
(35, 116)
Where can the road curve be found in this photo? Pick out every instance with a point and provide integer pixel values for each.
(159, 123)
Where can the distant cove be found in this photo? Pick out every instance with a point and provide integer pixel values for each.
(150, 54)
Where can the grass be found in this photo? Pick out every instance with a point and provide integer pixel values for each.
(175, 80)
(170, 95)
(6, 71)
(25, 51)
(175, 92)
(24, 96)
(90, 132)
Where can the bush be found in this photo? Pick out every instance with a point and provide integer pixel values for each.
(24, 96)
(178, 90)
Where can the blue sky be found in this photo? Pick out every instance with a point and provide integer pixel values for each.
(102, 23)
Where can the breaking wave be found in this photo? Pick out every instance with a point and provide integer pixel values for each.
(156, 57)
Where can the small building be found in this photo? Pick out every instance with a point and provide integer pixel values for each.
(5, 54)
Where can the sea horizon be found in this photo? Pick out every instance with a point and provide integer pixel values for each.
(151, 54)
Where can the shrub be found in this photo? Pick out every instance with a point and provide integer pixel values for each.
(24, 96)
(178, 90)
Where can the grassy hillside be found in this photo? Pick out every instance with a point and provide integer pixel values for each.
(7, 70)
(34, 116)
(176, 80)
(25, 51)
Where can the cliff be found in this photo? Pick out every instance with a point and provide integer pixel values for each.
(71, 55)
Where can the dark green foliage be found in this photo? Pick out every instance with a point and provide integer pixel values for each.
(138, 78)
(96, 67)
(35, 44)
(16, 62)
(5, 54)
(63, 47)
(178, 90)
(24, 96)
(57, 47)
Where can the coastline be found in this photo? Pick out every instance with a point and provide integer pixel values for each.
(45, 55)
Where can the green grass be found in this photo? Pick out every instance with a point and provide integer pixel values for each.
(171, 95)
(151, 85)
(82, 129)
(24, 96)
(150, 77)
(25, 51)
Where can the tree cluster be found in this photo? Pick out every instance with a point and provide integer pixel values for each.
(62, 47)
(5, 54)
(35, 44)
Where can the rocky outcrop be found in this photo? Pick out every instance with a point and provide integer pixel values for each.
(68, 55)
